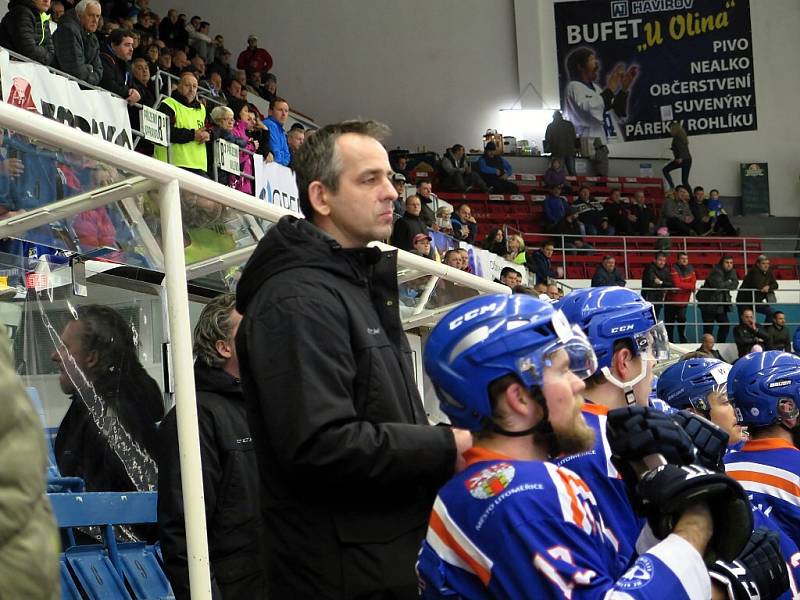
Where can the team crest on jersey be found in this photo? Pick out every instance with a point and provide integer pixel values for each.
(638, 576)
(491, 481)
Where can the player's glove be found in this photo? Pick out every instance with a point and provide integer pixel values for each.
(635, 432)
(669, 489)
(758, 573)
(710, 440)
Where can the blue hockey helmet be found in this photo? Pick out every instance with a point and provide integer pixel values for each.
(687, 383)
(491, 336)
(765, 386)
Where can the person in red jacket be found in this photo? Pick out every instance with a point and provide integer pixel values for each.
(685, 279)
(254, 58)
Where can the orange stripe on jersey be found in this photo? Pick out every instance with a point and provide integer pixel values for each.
(595, 409)
(477, 454)
(577, 509)
(766, 479)
(440, 528)
(767, 444)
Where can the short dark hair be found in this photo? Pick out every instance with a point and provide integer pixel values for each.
(661, 255)
(682, 254)
(318, 158)
(577, 59)
(421, 181)
(698, 188)
(456, 147)
(115, 37)
(275, 100)
(680, 186)
(548, 243)
(777, 312)
(609, 256)
(508, 270)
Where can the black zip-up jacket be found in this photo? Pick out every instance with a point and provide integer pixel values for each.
(117, 77)
(230, 489)
(77, 50)
(652, 292)
(349, 465)
(23, 31)
(405, 228)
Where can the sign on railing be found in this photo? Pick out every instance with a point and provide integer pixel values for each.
(228, 157)
(155, 126)
(276, 184)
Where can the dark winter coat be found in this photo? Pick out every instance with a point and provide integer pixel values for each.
(25, 30)
(405, 228)
(117, 77)
(776, 338)
(77, 50)
(745, 337)
(230, 490)
(651, 291)
(174, 35)
(349, 466)
(603, 277)
(541, 267)
(717, 288)
(755, 280)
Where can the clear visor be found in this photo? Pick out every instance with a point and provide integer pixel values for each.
(581, 359)
(655, 340)
(787, 409)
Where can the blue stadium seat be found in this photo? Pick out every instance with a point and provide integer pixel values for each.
(69, 590)
(142, 572)
(95, 573)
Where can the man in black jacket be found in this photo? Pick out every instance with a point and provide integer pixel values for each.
(76, 46)
(758, 288)
(25, 30)
(607, 274)
(230, 469)
(349, 464)
(746, 334)
(656, 280)
(776, 334)
(456, 172)
(714, 297)
(116, 56)
(409, 225)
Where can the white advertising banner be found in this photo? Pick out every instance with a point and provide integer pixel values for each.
(276, 184)
(489, 266)
(32, 87)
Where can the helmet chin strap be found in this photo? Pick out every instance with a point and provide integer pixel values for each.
(626, 386)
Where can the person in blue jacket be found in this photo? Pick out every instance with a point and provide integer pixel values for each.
(275, 122)
(495, 171)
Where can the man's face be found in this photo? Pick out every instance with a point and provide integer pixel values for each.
(458, 154)
(58, 11)
(555, 190)
(699, 195)
(141, 71)
(763, 265)
(70, 358)
(402, 163)
(708, 342)
(361, 210)
(251, 42)
(235, 88)
(562, 389)
(165, 61)
(512, 279)
(296, 139)
(661, 261)
(125, 48)
(216, 80)
(90, 18)
(272, 86)
(180, 60)
(424, 189)
(280, 112)
(683, 260)
(187, 87)
(727, 264)
(779, 319)
(683, 194)
(199, 64)
(723, 413)
(399, 187)
(413, 206)
(610, 264)
(639, 197)
(615, 196)
(42, 5)
(465, 212)
(583, 194)
(173, 15)
(547, 250)
(423, 247)
(453, 259)
(747, 318)
(552, 292)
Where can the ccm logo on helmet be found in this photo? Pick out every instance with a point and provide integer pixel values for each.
(622, 328)
(469, 315)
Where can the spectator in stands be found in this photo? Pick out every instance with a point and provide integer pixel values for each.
(644, 216)
(590, 211)
(108, 435)
(607, 274)
(213, 83)
(571, 232)
(444, 220)
(230, 471)
(25, 30)
(465, 227)
(678, 213)
(555, 175)
(456, 174)
(56, 12)
(656, 280)
(269, 91)
(199, 66)
(187, 130)
(422, 245)
(172, 31)
(622, 215)
(495, 171)
(258, 132)
(254, 85)
(233, 90)
(516, 250)
(278, 113)
(222, 63)
(465, 266)
(429, 202)
(720, 222)
(682, 158)
(116, 56)
(201, 42)
(495, 242)
(702, 219)
(254, 58)
(409, 225)
(224, 119)
(510, 277)
(452, 258)
(76, 47)
(555, 208)
(540, 263)
(746, 333)
(707, 347)
(758, 288)
(684, 281)
(399, 183)
(559, 139)
(714, 297)
(776, 334)
(295, 139)
(553, 293)
(400, 163)
(29, 563)
(181, 63)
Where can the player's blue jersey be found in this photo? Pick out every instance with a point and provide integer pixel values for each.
(769, 470)
(597, 470)
(509, 529)
(789, 550)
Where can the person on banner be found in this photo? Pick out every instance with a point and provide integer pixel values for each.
(595, 111)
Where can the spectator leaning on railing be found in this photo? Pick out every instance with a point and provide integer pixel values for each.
(76, 46)
(761, 279)
(278, 113)
(117, 76)
(187, 132)
(25, 30)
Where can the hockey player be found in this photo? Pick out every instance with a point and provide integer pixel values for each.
(765, 386)
(510, 369)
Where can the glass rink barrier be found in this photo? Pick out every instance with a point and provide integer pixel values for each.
(107, 258)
